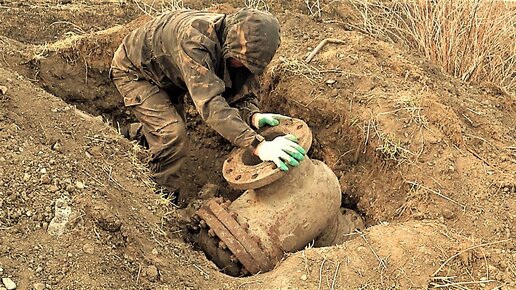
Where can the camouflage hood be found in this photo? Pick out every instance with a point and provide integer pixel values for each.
(252, 37)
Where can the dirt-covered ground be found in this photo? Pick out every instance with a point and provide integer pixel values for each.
(428, 160)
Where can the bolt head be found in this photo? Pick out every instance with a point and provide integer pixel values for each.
(211, 233)
(222, 245)
(234, 259)
(202, 223)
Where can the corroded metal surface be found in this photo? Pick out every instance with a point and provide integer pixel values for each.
(263, 262)
(242, 172)
(279, 212)
(234, 246)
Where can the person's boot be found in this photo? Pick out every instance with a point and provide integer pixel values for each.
(133, 132)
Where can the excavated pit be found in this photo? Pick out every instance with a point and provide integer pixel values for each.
(77, 71)
(86, 84)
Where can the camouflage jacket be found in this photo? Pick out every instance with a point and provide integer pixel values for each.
(187, 50)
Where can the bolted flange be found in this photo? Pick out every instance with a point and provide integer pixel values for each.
(242, 170)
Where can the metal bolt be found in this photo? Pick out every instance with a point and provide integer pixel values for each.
(195, 218)
(211, 233)
(234, 259)
(202, 223)
(234, 215)
(219, 199)
(222, 245)
(255, 239)
(226, 204)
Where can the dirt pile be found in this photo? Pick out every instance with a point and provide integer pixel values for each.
(407, 142)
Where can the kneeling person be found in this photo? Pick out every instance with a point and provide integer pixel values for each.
(214, 58)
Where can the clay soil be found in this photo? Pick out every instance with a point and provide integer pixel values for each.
(428, 160)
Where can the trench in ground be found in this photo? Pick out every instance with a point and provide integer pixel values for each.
(91, 90)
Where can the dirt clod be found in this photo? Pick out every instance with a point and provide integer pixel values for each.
(38, 286)
(152, 273)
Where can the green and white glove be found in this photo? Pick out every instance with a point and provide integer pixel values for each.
(260, 120)
(281, 150)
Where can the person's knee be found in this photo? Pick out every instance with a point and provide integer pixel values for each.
(173, 139)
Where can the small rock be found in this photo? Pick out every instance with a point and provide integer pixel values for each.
(88, 248)
(43, 171)
(69, 188)
(8, 283)
(155, 251)
(3, 90)
(79, 185)
(61, 216)
(26, 177)
(53, 188)
(303, 277)
(152, 273)
(1, 270)
(330, 81)
(56, 147)
(448, 214)
(45, 179)
(38, 286)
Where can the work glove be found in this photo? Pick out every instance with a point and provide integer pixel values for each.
(259, 120)
(281, 150)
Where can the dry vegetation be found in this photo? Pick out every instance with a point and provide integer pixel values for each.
(471, 40)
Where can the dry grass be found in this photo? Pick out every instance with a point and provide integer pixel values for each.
(298, 68)
(314, 8)
(159, 7)
(472, 40)
(257, 4)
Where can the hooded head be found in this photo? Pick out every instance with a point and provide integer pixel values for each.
(251, 37)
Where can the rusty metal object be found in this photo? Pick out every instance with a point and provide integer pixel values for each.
(236, 248)
(244, 171)
(280, 212)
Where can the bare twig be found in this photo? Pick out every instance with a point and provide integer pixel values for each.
(454, 284)
(206, 275)
(320, 273)
(465, 250)
(381, 262)
(415, 183)
(335, 276)
(139, 272)
(320, 46)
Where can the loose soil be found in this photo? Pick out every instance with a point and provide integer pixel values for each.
(427, 159)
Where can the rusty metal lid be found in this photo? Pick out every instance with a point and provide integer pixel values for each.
(242, 170)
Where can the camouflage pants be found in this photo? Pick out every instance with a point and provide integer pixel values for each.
(162, 119)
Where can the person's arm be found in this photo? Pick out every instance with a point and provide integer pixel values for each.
(205, 87)
(246, 101)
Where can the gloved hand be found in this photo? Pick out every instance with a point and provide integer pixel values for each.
(259, 120)
(280, 150)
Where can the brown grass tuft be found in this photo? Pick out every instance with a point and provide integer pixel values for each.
(472, 40)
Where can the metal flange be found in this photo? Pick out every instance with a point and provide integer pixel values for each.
(235, 238)
(244, 171)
